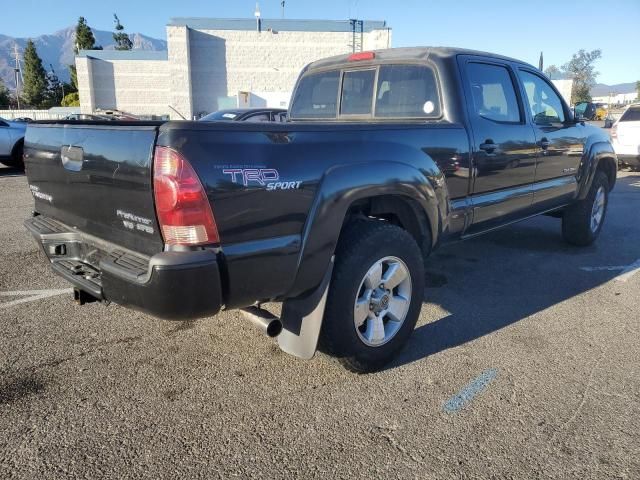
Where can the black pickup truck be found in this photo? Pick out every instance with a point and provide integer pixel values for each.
(385, 155)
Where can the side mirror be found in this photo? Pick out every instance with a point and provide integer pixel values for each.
(578, 117)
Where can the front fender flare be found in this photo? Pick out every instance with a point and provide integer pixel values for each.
(594, 154)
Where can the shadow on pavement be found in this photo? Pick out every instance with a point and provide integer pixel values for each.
(10, 172)
(498, 279)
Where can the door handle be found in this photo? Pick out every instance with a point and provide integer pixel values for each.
(488, 146)
(544, 143)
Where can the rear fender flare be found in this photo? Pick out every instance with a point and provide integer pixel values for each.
(339, 189)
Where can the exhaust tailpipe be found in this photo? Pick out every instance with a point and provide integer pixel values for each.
(266, 321)
(81, 297)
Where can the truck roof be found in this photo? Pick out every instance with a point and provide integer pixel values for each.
(409, 53)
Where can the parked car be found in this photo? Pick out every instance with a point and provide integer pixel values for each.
(87, 116)
(248, 115)
(591, 111)
(385, 156)
(625, 136)
(11, 142)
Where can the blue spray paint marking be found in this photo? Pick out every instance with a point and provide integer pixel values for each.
(472, 389)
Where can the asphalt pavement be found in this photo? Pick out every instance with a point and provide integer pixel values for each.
(524, 364)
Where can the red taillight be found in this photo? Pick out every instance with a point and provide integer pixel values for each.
(614, 131)
(355, 57)
(183, 209)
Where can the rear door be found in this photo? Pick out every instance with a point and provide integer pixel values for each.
(560, 140)
(96, 178)
(504, 149)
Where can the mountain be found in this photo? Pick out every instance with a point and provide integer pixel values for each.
(57, 49)
(600, 89)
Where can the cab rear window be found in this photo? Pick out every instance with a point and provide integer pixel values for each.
(384, 92)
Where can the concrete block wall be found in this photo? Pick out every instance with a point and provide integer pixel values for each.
(85, 84)
(205, 68)
(225, 62)
(140, 87)
(136, 86)
(179, 59)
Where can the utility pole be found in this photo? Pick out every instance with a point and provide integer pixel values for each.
(17, 72)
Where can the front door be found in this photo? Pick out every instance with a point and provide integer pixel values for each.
(504, 146)
(560, 140)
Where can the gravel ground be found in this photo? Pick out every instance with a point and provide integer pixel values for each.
(97, 391)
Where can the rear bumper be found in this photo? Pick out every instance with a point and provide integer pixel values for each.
(632, 160)
(171, 285)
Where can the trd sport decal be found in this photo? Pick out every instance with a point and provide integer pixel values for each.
(265, 177)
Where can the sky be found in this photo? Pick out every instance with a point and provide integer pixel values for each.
(516, 28)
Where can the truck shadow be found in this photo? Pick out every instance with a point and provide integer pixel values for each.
(483, 285)
(11, 172)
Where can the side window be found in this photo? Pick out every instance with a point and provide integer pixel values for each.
(357, 92)
(279, 117)
(494, 96)
(260, 117)
(545, 104)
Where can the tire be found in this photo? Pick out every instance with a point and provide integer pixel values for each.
(362, 246)
(579, 226)
(16, 160)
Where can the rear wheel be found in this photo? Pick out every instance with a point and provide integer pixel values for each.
(375, 295)
(582, 221)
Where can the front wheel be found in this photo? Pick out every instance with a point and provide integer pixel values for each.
(582, 221)
(375, 295)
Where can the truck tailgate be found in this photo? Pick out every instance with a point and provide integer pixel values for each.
(96, 178)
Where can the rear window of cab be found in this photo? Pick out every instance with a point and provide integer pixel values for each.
(382, 92)
(631, 115)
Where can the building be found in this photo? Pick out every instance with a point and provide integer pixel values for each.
(565, 88)
(617, 98)
(215, 63)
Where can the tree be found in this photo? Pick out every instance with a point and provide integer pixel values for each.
(553, 72)
(638, 90)
(34, 90)
(5, 96)
(84, 37)
(71, 100)
(123, 42)
(73, 77)
(582, 70)
(55, 90)
(84, 41)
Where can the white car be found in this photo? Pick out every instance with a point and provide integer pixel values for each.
(625, 137)
(11, 141)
